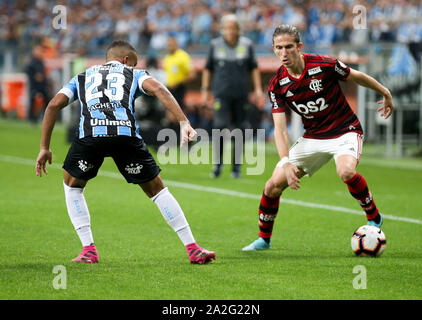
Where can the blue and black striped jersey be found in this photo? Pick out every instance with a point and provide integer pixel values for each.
(107, 93)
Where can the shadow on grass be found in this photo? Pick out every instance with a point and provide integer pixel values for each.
(25, 266)
(280, 254)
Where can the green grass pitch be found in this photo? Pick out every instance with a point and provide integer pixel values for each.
(142, 258)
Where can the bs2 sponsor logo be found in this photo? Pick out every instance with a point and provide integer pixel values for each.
(311, 106)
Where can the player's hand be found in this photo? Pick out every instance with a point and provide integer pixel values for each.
(292, 172)
(387, 106)
(44, 156)
(187, 133)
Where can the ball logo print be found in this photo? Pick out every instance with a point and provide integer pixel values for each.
(368, 240)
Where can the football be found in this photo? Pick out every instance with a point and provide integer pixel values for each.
(368, 241)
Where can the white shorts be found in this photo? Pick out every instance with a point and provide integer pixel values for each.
(312, 154)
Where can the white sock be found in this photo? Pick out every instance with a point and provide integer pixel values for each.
(85, 235)
(79, 213)
(173, 214)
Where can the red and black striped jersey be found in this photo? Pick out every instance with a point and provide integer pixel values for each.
(316, 96)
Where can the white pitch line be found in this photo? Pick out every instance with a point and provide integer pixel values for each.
(226, 192)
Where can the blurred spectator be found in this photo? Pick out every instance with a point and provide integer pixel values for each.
(230, 64)
(11, 37)
(382, 19)
(149, 111)
(150, 108)
(159, 27)
(38, 85)
(79, 65)
(179, 71)
(201, 24)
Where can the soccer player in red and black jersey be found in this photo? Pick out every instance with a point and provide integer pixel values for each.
(308, 84)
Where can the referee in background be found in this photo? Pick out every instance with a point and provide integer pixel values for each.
(226, 75)
(179, 71)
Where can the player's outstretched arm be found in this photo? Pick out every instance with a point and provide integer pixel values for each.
(365, 80)
(54, 106)
(281, 138)
(156, 88)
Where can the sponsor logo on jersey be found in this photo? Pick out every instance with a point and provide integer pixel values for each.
(134, 168)
(273, 100)
(105, 106)
(311, 107)
(241, 52)
(314, 71)
(220, 53)
(340, 71)
(106, 122)
(284, 81)
(315, 85)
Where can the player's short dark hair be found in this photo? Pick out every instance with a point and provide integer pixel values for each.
(121, 44)
(287, 29)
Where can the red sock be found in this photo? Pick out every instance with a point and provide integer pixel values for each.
(359, 190)
(268, 209)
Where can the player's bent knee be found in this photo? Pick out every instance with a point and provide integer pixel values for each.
(346, 173)
(73, 182)
(153, 187)
(274, 188)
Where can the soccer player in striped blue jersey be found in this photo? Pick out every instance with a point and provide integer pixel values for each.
(308, 84)
(107, 128)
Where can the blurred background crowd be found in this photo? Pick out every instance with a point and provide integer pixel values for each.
(148, 23)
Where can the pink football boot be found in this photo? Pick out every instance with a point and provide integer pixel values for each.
(88, 255)
(199, 255)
